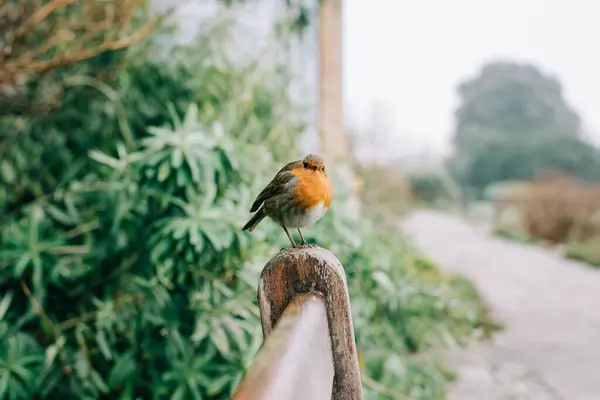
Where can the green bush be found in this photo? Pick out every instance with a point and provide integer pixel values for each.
(587, 251)
(124, 272)
(430, 188)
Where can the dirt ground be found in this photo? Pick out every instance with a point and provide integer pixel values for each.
(549, 306)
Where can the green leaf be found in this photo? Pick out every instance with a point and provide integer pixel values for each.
(191, 117)
(179, 393)
(235, 330)
(176, 158)
(22, 265)
(193, 388)
(102, 158)
(163, 171)
(219, 338)
(58, 214)
(98, 382)
(123, 369)
(384, 281)
(218, 385)
(103, 344)
(5, 303)
(205, 360)
(4, 384)
(201, 330)
(82, 365)
(8, 172)
(52, 351)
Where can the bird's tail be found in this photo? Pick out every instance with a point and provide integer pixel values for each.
(255, 220)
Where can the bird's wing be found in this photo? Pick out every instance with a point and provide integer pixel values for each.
(277, 185)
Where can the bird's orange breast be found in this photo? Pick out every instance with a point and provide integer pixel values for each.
(312, 188)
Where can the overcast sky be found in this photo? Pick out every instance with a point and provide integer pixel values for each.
(410, 55)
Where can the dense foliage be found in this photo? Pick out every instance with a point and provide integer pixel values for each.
(123, 269)
(513, 123)
(430, 188)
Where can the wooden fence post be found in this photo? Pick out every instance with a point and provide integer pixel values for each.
(307, 326)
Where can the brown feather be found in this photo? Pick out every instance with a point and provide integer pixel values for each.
(255, 220)
(277, 185)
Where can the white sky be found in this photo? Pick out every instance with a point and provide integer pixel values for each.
(409, 55)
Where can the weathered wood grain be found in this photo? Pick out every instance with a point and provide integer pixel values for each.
(295, 362)
(314, 270)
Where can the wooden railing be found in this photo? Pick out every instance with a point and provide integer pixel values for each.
(309, 351)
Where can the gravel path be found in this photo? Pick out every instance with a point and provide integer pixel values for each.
(549, 306)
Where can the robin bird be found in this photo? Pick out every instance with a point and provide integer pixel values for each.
(298, 196)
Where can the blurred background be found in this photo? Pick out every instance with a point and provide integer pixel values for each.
(135, 134)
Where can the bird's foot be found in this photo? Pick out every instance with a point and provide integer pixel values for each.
(304, 246)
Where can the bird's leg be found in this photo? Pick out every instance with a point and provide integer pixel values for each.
(304, 243)
(289, 236)
(301, 237)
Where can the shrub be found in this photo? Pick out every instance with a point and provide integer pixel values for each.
(560, 208)
(556, 209)
(119, 256)
(430, 188)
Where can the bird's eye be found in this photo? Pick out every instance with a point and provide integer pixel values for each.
(314, 167)
(305, 164)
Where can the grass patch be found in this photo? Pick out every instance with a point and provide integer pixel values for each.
(588, 253)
